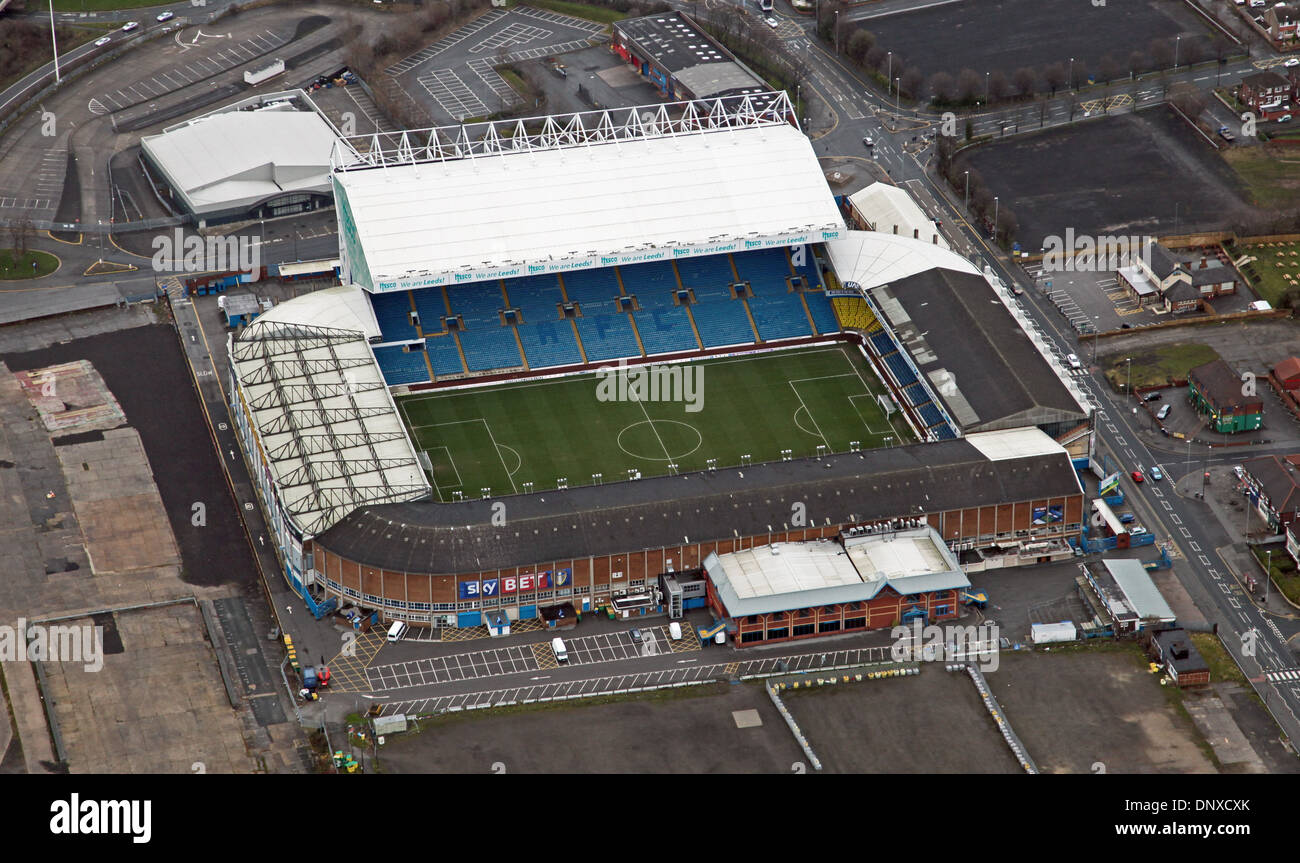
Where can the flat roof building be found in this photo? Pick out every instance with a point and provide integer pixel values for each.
(261, 157)
(682, 60)
(1222, 396)
(1128, 595)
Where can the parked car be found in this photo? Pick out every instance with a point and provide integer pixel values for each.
(130, 25)
(1285, 118)
(868, 142)
(1294, 61)
(772, 22)
(1150, 397)
(1156, 473)
(1161, 414)
(1137, 531)
(636, 635)
(1225, 134)
(1127, 518)
(1137, 476)
(165, 16)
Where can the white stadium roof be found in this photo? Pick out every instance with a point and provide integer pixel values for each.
(231, 159)
(595, 190)
(325, 422)
(872, 258)
(891, 210)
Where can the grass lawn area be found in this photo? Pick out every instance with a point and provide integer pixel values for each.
(539, 431)
(1274, 261)
(14, 267)
(1158, 364)
(1222, 666)
(90, 5)
(1283, 569)
(1272, 173)
(599, 14)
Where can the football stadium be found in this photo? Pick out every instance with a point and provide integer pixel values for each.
(597, 360)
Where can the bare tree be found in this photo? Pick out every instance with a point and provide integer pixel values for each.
(942, 86)
(999, 87)
(1109, 68)
(1054, 75)
(1077, 74)
(1193, 51)
(969, 85)
(859, 44)
(1006, 227)
(1162, 53)
(875, 58)
(1137, 61)
(1025, 80)
(910, 81)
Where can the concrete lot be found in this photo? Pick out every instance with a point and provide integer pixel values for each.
(608, 81)
(1077, 708)
(933, 722)
(690, 732)
(153, 708)
(1006, 34)
(1123, 175)
(454, 79)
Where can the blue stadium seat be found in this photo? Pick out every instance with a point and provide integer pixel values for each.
(607, 337)
(653, 283)
(916, 394)
(779, 316)
(883, 343)
(428, 302)
(538, 297)
(930, 414)
(823, 314)
(765, 269)
(944, 432)
(549, 343)
(490, 347)
(666, 330)
(478, 303)
(810, 271)
(595, 290)
(898, 366)
(722, 322)
(443, 355)
(400, 366)
(393, 311)
(710, 276)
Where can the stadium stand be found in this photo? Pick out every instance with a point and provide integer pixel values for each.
(401, 366)
(766, 270)
(916, 394)
(490, 347)
(930, 415)
(883, 342)
(477, 303)
(944, 432)
(443, 355)
(665, 330)
(899, 367)
(810, 272)
(607, 337)
(722, 322)
(594, 290)
(710, 276)
(549, 343)
(536, 296)
(653, 283)
(779, 316)
(823, 315)
(854, 313)
(428, 302)
(393, 311)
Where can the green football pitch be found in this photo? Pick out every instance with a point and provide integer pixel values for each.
(730, 410)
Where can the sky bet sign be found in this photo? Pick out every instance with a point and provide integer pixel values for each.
(522, 583)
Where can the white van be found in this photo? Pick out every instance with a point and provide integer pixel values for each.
(557, 646)
(397, 630)
(675, 631)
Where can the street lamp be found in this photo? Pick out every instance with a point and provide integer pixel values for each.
(967, 192)
(837, 31)
(889, 73)
(1177, 39)
(986, 88)
(897, 96)
(1070, 72)
(995, 219)
(1096, 331)
(1268, 573)
(1128, 368)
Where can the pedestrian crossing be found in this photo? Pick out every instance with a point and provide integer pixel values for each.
(1286, 675)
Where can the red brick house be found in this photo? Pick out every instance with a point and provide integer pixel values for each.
(1267, 93)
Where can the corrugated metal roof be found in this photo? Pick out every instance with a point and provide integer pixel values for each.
(1140, 592)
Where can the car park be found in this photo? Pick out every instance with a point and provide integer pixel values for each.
(1137, 476)
(1156, 473)
(165, 16)
(130, 25)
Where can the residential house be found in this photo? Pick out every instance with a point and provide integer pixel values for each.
(1268, 94)
(1273, 488)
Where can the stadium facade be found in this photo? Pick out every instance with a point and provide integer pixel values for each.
(549, 246)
